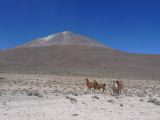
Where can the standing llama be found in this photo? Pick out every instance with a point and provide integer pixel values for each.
(91, 84)
(100, 86)
(114, 87)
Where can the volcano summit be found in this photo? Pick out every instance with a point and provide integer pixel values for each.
(63, 38)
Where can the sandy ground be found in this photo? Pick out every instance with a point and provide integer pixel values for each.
(48, 97)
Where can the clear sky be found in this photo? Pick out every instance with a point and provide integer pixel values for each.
(128, 25)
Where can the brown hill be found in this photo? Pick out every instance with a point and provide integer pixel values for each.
(79, 59)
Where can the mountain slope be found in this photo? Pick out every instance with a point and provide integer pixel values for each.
(79, 59)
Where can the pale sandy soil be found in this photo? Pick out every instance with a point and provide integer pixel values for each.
(67, 98)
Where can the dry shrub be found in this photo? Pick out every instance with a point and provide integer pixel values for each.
(72, 100)
(111, 101)
(141, 94)
(34, 93)
(95, 97)
(75, 114)
(2, 78)
(154, 101)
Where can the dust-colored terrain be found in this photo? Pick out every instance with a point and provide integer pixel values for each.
(80, 60)
(50, 97)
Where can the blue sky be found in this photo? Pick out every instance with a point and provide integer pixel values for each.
(128, 25)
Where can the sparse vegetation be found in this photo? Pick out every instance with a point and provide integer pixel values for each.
(75, 114)
(141, 94)
(70, 92)
(121, 105)
(34, 93)
(2, 78)
(96, 97)
(111, 101)
(154, 101)
(72, 100)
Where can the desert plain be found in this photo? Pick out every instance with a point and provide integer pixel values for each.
(66, 97)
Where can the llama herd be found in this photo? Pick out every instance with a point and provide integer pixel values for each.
(116, 86)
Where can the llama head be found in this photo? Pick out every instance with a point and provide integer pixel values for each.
(86, 80)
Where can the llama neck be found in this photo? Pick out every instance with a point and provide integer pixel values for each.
(115, 84)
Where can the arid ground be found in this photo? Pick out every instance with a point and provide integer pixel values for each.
(51, 97)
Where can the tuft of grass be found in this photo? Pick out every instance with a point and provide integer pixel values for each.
(2, 78)
(141, 94)
(121, 105)
(111, 101)
(95, 97)
(75, 114)
(33, 93)
(72, 100)
(154, 101)
(141, 100)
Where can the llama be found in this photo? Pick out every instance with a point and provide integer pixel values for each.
(100, 86)
(90, 85)
(120, 86)
(115, 88)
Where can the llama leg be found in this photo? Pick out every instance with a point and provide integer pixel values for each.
(117, 92)
(92, 90)
(89, 89)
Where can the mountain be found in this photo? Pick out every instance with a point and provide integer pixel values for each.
(63, 38)
(67, 53)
